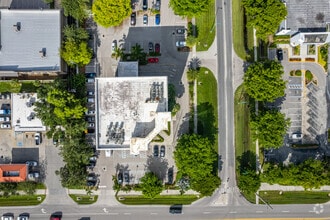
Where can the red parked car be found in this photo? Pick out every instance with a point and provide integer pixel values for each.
(153, 60)
(157, 48)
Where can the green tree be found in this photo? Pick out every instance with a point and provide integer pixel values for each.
(264, 15)
(109, 13)
(29, 187)
(263, 81)
(309, 174)
(249, 182)
(270, 128)
(75, 8)
(196, 158)
(190, 8)
(119, 53)
(136, 52)
(76, 34)
(74, 53)
(151, 185)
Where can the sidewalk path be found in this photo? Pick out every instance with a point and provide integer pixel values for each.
(269, 187)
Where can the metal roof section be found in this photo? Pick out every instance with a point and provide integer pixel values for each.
(131, 111)
(128, 69)
(307, 14)
(24, 118)
(310, 38)
(30, 40)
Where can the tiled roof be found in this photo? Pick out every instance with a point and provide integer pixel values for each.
(13, 172)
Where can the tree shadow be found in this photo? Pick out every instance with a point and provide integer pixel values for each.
(247, 161)
(184, 126)
(206, 121)
(158, 166)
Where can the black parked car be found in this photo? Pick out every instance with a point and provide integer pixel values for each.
(156, 150)
(162, 151)
(120, 178)
(145, 5)
(126, 176)
(279, 54)
(133, 18)
(170, 176)
(151, 47)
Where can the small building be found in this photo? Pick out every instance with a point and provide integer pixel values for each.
(29, 43)
(13, 172)
(24, 118)
(130, 112)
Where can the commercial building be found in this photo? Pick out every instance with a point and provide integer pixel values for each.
(13, 172)
(29, 43)
(130, 112)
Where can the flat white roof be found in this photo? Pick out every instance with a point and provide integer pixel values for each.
(24, 118)
(30, 40)
(130, 111)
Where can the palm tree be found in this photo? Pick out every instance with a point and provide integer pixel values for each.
(118, 53)
(193, 68)
(136, 52)
(195, 63)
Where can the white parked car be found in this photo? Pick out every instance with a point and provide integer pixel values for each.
(37, 137)
(5, 126)
(4, 119)
(23, 217)
(181, 43)
(33, 176)
(114, 46)
(7, 217)
(31, 163)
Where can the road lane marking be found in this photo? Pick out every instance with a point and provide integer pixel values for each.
(285, 211)
(113, 213)
(232, 212)
(259, 211)
(127, 213)
(206, 213)
(153, 213)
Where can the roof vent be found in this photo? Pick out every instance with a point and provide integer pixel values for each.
(17, 26)
(43, 52)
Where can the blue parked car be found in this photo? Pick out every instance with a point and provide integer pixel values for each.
(157, 20)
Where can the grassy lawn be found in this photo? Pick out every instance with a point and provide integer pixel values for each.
(206, 28)
(320, 60)
(238, 29)
(10, 86)
(28, 86)
(83, 199)
(295, 197)
(21, 200)
(159, 200)
(207, 106)
(243, 140)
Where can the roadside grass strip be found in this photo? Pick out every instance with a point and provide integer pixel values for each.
(22, 200)
(158, 200)
(84, 199)
(294, 197)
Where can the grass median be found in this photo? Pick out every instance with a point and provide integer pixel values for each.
(207, 106)
(294, 197)
(83, 199)
(206, 28)
(158, 200)
(22, 200)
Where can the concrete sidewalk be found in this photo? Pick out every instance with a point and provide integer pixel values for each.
(269, 187)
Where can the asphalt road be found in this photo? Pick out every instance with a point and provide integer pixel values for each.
(162, 212)
(226, 103)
